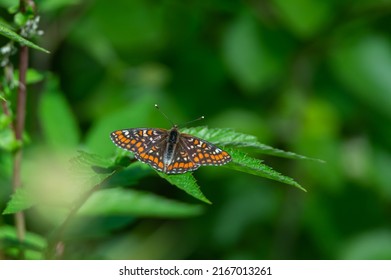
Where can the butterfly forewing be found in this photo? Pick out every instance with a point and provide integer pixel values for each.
(145, 143)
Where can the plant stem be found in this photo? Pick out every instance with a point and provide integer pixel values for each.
(18, 130)
(6, 111)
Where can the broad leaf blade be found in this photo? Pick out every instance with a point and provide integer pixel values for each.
(54, 108)
(229, 137)
(19, 201)
(33, 244)
(90, 169)
(5, 31)
(242, 162)
(187, 183)
(126, 202)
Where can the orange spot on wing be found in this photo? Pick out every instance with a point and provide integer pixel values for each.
(203, 145)
(138, 144)
(200, 156)
(175, 165)
(118, 132)
(191, 164)
(149, 132)
(206, 155)
(133, 142)
(160, 164)
(141, 149)
(151, 158)
(156, 160)
(196, 159)
(140, 133)
(196, 142)
(213, 157)
(186, 165)
(127, 141)
(181, 165)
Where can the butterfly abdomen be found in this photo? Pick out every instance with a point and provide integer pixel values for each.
(173, 136)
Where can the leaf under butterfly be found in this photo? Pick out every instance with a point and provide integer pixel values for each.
(187, 183)
(242, 162)
(231, 138)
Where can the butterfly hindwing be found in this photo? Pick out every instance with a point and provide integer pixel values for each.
(204, 153)
(182, 162)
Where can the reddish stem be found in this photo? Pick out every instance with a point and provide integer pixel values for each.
(18, 129)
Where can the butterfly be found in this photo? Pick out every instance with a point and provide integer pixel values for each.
(169, 151)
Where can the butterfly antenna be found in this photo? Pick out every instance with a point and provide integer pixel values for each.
(161, 112)
(197, 119)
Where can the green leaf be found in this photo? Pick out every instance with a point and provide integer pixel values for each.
(58, 122)
(304, 17)
(32, 76)
(19, 201)
(8, 141)
(229, 137)
(5, 121)
(90, 169)
(373, 245)
(33, 244)
(119, 201)
(86, 171)
(247, 55)
(363, 63)
(56, 5)
(98, 137)
(242, 162)
(20, 19)
(5, 31)
(187, 183)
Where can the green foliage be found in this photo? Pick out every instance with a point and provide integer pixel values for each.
(187, 183)
(33, 244)
(7, 32)
(242, 162)
(33, 76)
(370, 57)
(306, 76)
(121, 202)
(124, 118)
(54, 109)
(247, 55)
(229, 137)
(19, 201)
(374, 245)
(7, 136)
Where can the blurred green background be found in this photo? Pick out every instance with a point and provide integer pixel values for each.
(308, 76)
